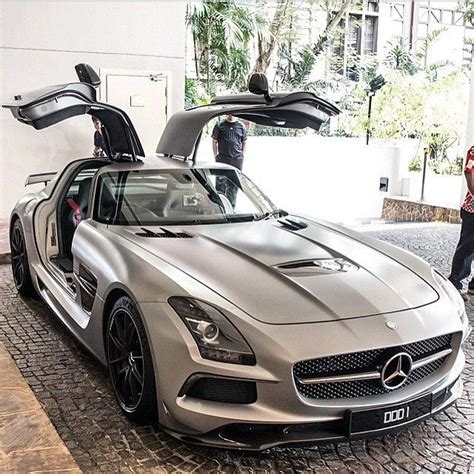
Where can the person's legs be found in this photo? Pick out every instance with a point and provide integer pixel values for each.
(232, 193)
(221, 184)
(463, 256)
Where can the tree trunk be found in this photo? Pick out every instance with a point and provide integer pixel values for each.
(330, 27)
(196, 60)
(266, 47)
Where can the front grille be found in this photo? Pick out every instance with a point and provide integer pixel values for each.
(360, 362)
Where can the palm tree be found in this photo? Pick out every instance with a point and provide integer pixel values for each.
(400, 57)
(221, 32)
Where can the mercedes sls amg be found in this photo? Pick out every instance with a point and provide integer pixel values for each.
(231, 324)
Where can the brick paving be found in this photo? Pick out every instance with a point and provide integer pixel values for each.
(76, 395)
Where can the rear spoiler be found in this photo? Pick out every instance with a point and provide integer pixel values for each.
(40, 178)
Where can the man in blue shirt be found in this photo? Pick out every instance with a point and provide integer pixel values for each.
(229, 139)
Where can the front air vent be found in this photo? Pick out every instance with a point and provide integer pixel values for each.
(223, 390)
(164, 234)
(292, 224)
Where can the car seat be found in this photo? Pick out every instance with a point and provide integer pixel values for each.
(78, 207)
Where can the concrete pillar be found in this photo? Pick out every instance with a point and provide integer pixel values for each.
(469, 131)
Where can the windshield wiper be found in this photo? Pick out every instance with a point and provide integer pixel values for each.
(267, 215)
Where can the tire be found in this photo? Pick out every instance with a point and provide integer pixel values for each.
(130, 364)
(19, 261)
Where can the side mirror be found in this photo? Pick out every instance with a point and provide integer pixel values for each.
(85, 73)
(258, 84)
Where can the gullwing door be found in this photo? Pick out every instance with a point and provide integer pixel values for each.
(283, 109)
(50, 105)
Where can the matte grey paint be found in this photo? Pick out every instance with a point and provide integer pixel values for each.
(283, 319)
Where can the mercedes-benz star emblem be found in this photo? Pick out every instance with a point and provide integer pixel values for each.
(391, 324)
(396, 371)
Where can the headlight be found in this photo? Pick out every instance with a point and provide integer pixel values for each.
(451, 292)
(216, 337)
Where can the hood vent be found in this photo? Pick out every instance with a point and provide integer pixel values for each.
(292, 224)
(164, 234)
(316, 266)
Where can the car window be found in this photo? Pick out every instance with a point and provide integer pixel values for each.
(178, 197)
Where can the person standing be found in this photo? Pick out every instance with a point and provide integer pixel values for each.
(463, 256)
(229, 139)
(99, 143)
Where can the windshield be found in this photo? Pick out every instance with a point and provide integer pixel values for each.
(197, 196)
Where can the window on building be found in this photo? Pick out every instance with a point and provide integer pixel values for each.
(373, 6)
(370, 37)
(359, 38)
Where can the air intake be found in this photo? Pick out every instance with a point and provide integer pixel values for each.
(323, 265)
(292, 224)
(164, 234)
(223, 390)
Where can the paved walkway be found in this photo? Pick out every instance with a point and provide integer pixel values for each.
(4, 240)
(76, 395)
(28, 440)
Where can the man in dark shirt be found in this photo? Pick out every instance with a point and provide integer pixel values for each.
(229, 139)
(99, 144)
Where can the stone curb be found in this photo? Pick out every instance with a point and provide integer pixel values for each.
(28, 440)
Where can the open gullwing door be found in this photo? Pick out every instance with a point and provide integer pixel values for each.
(50, 105)
(288, 110)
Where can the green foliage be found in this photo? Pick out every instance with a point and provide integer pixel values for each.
(467, 8)
(420, 99)
(410, 106)
(221, 32)
(415, 164)
(400, 58)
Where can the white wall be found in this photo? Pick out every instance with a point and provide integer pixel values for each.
(40, 44)
(332, 178)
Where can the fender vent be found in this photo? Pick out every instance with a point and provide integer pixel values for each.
(292, 224)
(164, 234)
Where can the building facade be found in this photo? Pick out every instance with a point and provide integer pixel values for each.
(136, 47)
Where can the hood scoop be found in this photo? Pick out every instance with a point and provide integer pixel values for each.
(164, 234)
(316, 267)
(292, 224)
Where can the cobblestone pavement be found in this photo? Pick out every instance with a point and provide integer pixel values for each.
(75, 393)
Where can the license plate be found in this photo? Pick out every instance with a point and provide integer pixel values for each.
(363, 421)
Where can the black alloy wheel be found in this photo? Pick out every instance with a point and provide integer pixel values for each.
(19, 261)
(130, 363)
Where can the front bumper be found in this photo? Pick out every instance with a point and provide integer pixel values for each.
(256, 437)
(281, 416)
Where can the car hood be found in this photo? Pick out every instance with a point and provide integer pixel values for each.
(283, 275)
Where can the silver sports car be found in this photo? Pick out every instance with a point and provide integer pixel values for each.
(225, 319)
